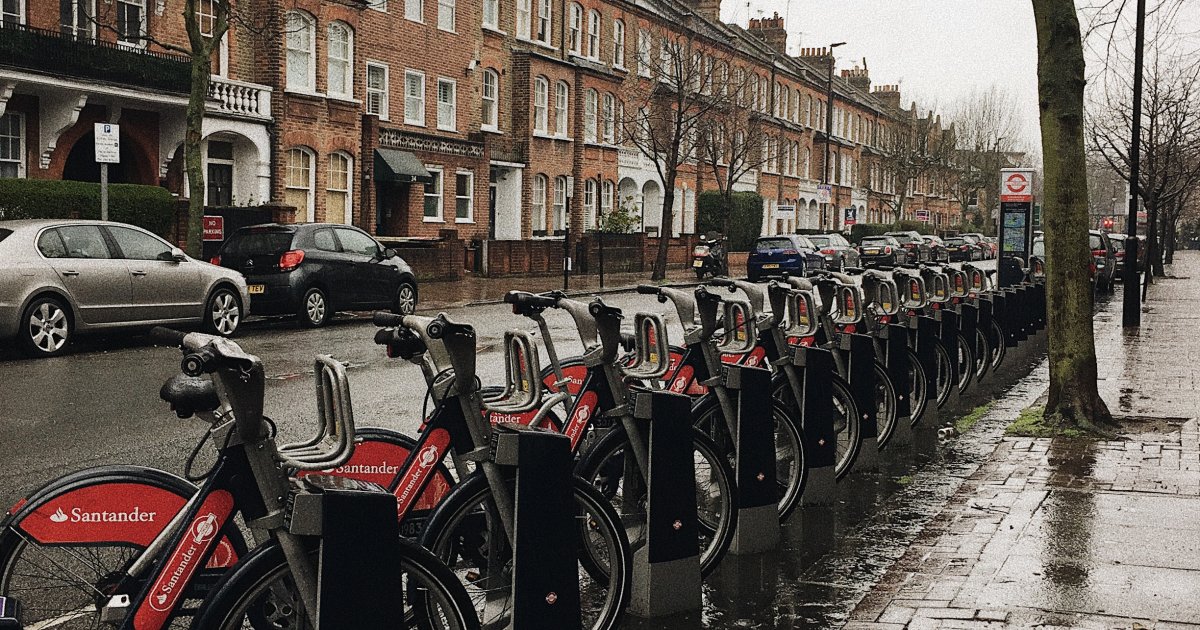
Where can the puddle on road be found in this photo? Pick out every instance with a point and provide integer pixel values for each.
(832, 556)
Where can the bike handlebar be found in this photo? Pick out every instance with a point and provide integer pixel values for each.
(525, 299)
(387, 320)
(648, 289)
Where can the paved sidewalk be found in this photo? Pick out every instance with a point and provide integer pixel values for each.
(479, 290)
(1077, 533)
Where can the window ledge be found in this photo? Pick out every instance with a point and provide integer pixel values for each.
(470, 221)
(414, 123)
(492, 130)
(302, 92)
(344, 98)
(493, 29)
(432, 220)
(450, 129)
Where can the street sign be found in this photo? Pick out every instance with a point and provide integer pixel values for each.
(785, 212)
(824, 193)
(1016, 184)
(213, 228)
(923, 215)
(108, 143)
(851, 216)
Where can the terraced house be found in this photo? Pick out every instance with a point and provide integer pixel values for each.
(494, 121)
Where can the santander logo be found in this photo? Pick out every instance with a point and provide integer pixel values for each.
(59, 516)
(79, 515)
(428, 456)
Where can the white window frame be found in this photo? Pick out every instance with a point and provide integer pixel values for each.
(440, 194)
(541, 113)
(414, 10)
(594, 28)
(537, 202)
(644, 51)
(306, 28)
(378, 5)
(206, 16)
(311, 208)
(606, 196)
(618, 58)
(609, 117)
(144, 5)
(545, 21)
(346, 90)
(19, 160)
(412, 117)
(348, 190)
(446, 15)
(575, 29)
(88, 31)
(381, 93)
(589, 203)
(591, 103)
(489, 105)
(470, 196)
(449, 122)
(524, 19)
(491, 14)
(562, 100)
(560, 203)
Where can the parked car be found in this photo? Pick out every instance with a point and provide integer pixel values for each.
(312, 270)
(838, 252)
(978, 250)
(986, 247)
(1105, 256)
(881, 250)
(61, 278)
(938, 251)
(914, 246)
(960, 249)
(1118, 241)
(775, 255)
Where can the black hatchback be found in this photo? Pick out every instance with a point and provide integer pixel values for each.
(313, 270)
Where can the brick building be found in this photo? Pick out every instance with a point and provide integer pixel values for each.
(502, 120)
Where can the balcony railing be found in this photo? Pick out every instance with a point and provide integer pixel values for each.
(235, 98)
(58, 54)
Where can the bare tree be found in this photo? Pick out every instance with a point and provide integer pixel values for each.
(1074, 399)
(734, 140)
(914, 147)
(987, 130)
(667, 102)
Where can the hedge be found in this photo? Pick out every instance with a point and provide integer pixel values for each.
(745, 220)
(150, 207)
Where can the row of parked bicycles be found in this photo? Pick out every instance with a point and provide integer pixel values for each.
(293, 535)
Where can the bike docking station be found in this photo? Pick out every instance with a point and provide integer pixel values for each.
(893, 348)
(921, 334)
(858, 351)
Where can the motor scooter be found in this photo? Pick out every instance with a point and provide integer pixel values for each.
(708, 257)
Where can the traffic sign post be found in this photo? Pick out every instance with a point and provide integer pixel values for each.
(1016, 217)
(851, 216)
(108, 151)
(213, 228)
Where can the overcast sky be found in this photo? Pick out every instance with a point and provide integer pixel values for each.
(937, 50)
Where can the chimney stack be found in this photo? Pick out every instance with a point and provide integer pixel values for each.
(889, 94)
(859, 77)
(771, 31)
(710, 9)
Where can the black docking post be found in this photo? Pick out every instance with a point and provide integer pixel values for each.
(10, 614)
(545, 580)
(895, 340)
(860, 355)
(948, 333)
(666, 571)
(817, 367)
(758, 490)
(926, 340)
(968, 322)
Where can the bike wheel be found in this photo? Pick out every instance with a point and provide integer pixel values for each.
(460, 534)
(619, 480)
(966, 364)
(945, 374)
(261, 594)
(982, 355)
(885, 405)
(1000, 348)
(918, 385)
(791, 470)
(847, 423)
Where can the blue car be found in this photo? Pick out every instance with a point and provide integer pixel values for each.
(776, 255)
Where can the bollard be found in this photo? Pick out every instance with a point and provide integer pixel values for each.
(666, 571)
(820, 440)
(545, 580)
(860, 355)
(895, 338)
(758, 490)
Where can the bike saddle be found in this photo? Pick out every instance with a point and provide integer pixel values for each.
(189, 395)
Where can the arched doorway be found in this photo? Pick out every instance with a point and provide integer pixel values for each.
(651, 207)
(134, 168)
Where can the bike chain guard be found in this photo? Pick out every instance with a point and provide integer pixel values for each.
(522, 375)
(652, 354)
(333, 444)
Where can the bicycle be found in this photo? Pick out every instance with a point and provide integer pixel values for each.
(142, 565)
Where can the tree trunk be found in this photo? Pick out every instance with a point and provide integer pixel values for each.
(193, 161)
(1073, 399)
(665, 229)
(1169, 240)
(1154, 252)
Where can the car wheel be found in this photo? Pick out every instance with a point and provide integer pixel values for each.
(45, 328)
(314, 308)
(223, 313)
(406, 299)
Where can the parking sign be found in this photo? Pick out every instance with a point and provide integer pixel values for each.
(108, 143)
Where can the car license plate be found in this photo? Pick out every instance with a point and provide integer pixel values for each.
(255, 289)
(771, 266)
(870, 251)
(697, 263)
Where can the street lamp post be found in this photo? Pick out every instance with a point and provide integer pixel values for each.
(829, 134)
(1131, 313)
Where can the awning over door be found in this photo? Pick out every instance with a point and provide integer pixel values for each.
(393, 165)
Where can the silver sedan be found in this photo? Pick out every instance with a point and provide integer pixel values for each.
(59, 278)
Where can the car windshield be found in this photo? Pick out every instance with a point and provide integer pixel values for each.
(877, 241)
(903, 237)
(819, 241)
(1094, 241)
(771, 244)
(254, 242)
(1039, 247)
(956, 241)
